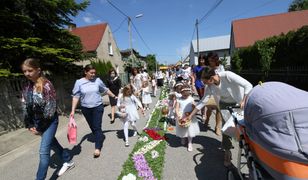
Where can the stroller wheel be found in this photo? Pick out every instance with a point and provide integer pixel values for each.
(232, 174)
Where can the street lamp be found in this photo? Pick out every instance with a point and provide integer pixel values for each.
(130, 36)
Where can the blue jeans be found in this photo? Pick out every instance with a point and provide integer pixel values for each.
(94, 118)
(49, 142)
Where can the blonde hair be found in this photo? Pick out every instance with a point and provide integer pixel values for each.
(35, 64)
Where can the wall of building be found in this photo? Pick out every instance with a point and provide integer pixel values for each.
(103, 50)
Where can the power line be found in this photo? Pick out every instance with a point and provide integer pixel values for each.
(120, 25)
(117, 9)
(240, 14)
(193, 34)
(141, 38)
(210, 11)
(124, 14)
(111, 23)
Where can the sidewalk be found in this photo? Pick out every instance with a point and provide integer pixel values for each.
(19, 151)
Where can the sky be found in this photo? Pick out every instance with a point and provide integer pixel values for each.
(167, 27)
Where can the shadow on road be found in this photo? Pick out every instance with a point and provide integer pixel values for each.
(210, 164)
(208, 159)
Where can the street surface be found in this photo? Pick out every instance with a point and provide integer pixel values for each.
(205, 162)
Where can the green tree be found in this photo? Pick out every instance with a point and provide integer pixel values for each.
(151, 62)
(266, 53)
(298, 5)
(102, 68)
(36, 28)
(236, 63)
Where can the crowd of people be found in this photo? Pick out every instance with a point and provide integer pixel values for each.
(215, 88)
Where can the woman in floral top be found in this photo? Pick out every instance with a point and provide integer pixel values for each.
(40, 116)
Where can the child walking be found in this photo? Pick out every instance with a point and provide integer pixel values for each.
(127, 104)
(184, 107)
(154, 86)
(146, 95)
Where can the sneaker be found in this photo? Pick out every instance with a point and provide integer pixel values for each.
(126, 144)
(189, 147)
(135, 133)
(66, 166)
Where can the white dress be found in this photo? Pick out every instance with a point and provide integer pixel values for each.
(130, 104)
(185, 105)
(146, 96)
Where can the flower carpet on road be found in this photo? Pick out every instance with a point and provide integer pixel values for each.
(147, 158)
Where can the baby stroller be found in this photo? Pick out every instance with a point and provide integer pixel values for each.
(273, 137)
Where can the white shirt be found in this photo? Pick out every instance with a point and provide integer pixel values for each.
(232, 88)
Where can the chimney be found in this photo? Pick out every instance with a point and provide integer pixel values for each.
(71, 26)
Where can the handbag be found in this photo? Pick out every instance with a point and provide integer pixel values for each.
(72, 131)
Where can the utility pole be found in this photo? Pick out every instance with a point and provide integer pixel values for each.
(198, 53)
(130, 40)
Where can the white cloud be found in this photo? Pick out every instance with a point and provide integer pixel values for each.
(88, 18)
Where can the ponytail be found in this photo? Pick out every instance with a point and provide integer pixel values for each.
(40, 84)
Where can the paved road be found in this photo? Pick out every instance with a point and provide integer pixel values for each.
(205, 162)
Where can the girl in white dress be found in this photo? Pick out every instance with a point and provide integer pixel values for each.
(146, 95)
(184, 107)
(129, 103)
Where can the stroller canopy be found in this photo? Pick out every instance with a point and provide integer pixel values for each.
(276, 117)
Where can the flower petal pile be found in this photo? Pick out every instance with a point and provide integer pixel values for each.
(142, 167)
(154, 154)
(129, 176)
(149, 146)
(143, 139)
(154, 135)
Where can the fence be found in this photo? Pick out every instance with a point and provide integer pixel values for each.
(11, 114)
(296, 76)
(10, 106)
(11, 117)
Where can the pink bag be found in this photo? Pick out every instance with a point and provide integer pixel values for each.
(72, 131)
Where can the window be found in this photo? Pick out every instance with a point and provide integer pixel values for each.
(110, 49)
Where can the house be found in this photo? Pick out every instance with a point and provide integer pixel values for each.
(139, 61)
(218, 44)
(99, 39)
(245, 32)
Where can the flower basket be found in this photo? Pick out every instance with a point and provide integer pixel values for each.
(184, 122)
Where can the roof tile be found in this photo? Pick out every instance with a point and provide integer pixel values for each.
(247, 31)
(90, 36)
